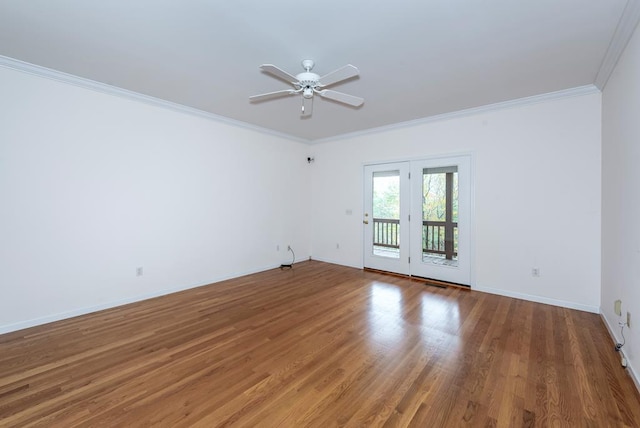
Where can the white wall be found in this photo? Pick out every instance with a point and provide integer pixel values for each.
(620, 203)
(537, 195)
(94, 185)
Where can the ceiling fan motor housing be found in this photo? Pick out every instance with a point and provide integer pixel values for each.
(308, 82)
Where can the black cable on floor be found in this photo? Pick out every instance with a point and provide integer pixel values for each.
(293, 260)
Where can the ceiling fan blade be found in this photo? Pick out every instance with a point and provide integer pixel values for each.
(346, 72)
(341, 97)
(270, 95)
(280, 74)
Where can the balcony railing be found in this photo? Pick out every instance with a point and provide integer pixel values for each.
(386, 232)
(437, 238)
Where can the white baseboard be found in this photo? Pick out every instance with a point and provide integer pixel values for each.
(500, 292)
(114, 303)
(334, 262)
(539, 299)
(614, 341)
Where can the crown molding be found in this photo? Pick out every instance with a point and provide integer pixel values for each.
(93, 85)
(82, 82)
(519, 102)
(624, 31)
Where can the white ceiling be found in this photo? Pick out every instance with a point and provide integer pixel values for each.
(417, 58)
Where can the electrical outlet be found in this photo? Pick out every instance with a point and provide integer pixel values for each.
(535, 271)
(628, 319)
(617, 307)
(139, 271)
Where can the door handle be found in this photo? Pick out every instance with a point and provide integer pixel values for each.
(365, 221)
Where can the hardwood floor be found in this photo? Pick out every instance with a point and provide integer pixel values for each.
(319, 345)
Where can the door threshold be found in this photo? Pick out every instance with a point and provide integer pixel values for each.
(437, 282)
(428, 281)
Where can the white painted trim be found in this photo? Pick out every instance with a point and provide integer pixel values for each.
(565, 93)
(624, 31)
(539, 299)
(630, 369)
(334, 262)
(472, 222)
(81, 82)
(471, 153)
(112, 304)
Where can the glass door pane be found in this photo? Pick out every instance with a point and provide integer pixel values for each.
(440, 215)
(386, 214)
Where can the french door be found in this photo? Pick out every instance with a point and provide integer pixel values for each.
(386, 217)
(417, 218)
(441, 219)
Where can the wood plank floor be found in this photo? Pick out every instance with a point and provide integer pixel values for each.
(319, 346)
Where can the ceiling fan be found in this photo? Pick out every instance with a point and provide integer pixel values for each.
(308, 84)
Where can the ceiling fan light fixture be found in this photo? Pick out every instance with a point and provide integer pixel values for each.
(307, 92)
